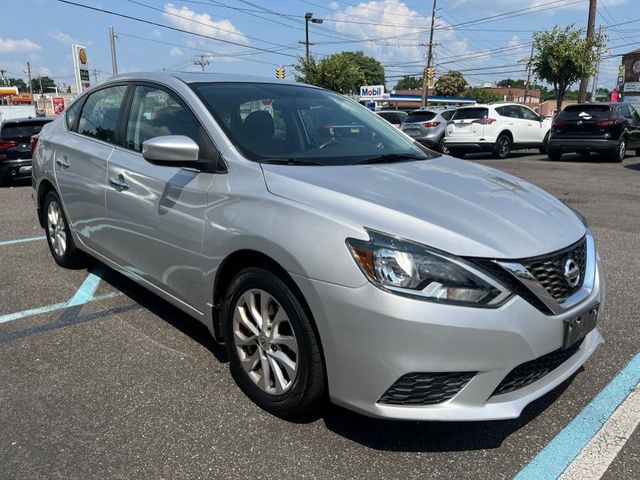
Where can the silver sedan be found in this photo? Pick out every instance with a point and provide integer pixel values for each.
(332, 254)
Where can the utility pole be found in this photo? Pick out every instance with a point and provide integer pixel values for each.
(202, 60)
(582, 93)
(594, 88)
(425, 88)
(308, 16)
(529, 65)
(30, 85)
(95, 75)
(112, 41)
(3, 79)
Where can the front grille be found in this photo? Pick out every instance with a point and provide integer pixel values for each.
(529, 372)
(549, 270)
(425, 388)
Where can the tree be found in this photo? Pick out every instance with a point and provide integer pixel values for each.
(409, 83)
(510, 83)
(451, 84)
(563, 57)
(371, 68)
(18, 82)
(482, 95)
(334, 72)
(46, 83)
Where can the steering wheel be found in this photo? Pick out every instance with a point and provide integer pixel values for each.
(331, 141)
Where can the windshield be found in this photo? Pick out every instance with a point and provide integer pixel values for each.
(301, 125)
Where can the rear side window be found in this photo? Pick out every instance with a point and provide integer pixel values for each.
(390, 117)
(448, 115)
(21, 130)
(72, 114)
(470, 114)
(576, 112)
(420, 116)
(99, 116)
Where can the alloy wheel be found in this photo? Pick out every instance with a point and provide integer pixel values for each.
(503, 147)
(57, 228)
(265, 341)
(622, 150)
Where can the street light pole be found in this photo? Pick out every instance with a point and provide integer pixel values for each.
(112, 42)
(309, 16)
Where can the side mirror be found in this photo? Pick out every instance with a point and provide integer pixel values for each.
(170, 149)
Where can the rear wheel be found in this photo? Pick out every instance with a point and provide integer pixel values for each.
(274, 353)
(617, 155)
(442, 147)
(61, 245)
(456, 153)
(554, 155)
(545, 144)
(502, 148)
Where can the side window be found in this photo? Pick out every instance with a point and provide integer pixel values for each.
(156, 113)
(72, 114)
(449, 114)
(528, 114)
(502, 111)
(100, 112)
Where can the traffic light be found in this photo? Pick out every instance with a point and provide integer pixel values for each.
(280, 72)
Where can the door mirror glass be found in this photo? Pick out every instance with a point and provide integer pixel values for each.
(170, 149)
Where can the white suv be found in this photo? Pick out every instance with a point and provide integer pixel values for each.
(497, 128)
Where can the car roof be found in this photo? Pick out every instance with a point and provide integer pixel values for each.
(200, 77)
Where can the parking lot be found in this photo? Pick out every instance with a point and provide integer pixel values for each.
(101, 379)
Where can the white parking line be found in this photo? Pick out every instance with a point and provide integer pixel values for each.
(596, 457)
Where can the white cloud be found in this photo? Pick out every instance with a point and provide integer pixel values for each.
(68, 39)
(334, 6)
(176, 52)
(9, 45)
(202, 24)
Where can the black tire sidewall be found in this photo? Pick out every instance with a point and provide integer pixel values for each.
(292, 402)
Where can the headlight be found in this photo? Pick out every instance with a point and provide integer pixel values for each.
(412, 269)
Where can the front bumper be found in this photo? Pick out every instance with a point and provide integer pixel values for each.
(19, 168)
(582, 144)
(371, 338)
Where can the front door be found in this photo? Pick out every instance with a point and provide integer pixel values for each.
(156, 212)
(81, 157)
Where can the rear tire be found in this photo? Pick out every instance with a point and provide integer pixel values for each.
(274, 355)
(554, 155)
(502, 148)
(618, 154)
(457, 153)
(59, 239)
(545, 144)
(442, 147)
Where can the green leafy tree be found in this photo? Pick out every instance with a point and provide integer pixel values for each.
(451, 84)
(563, 57)
(334, 72)
(409, 82)
(510, 83)
(18, 82)
(46, 83)
(482, 95)
(371, 68)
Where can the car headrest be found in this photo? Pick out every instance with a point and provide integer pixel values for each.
(259, 125)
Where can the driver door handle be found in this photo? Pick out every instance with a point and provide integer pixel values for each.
(119, 182)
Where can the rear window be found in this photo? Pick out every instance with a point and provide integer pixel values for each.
(13, 130)
(574, 112)
(421, 116)
(470, 114)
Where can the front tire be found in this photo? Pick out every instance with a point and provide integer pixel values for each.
(502, 148)
(274, 352)
(59, 239)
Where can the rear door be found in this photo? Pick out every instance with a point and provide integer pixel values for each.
(156, 212)
(81, 157)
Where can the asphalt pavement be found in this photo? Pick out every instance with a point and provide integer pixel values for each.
(127, 386)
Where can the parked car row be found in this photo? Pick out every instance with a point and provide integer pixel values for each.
(611, 129)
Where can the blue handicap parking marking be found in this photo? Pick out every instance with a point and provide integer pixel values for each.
(21, 240)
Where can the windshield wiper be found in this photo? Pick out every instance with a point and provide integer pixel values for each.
(390, 158)
(290, 161)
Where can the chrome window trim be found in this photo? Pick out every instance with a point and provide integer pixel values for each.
(528, 280)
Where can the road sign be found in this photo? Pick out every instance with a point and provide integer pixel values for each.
(280, 72)
(80, 67)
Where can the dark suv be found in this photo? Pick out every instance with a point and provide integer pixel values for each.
(15, 146)
(607, 128)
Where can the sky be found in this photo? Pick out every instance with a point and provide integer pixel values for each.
(485, 39)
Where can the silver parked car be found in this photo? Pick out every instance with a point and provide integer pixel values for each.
(428, 127)
(331, 253)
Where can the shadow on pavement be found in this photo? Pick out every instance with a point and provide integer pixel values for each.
(18, 182)
(633, 166)
(167, 312)
(398, 436)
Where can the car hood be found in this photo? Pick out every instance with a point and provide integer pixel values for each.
(453, 205)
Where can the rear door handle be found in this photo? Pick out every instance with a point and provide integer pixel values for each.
(62, 163)
(119, 182)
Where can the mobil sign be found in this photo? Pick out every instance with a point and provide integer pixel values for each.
(372, 92)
